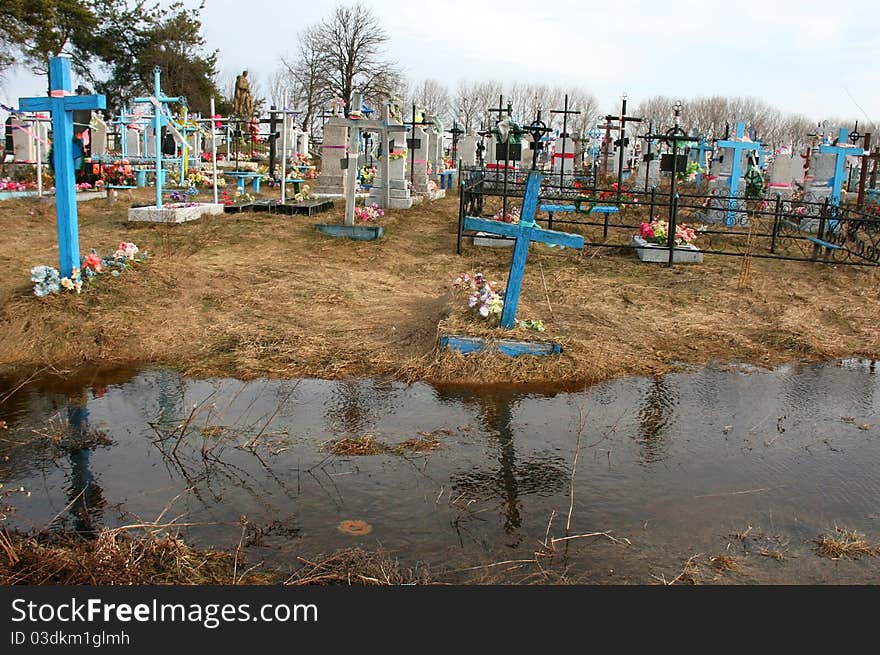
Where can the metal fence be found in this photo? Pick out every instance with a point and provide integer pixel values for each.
(770, 226)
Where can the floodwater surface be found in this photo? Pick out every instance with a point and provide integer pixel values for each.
(736, 469)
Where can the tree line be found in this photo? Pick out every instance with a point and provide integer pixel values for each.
(115, 44)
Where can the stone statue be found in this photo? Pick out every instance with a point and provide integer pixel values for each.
(242, 101)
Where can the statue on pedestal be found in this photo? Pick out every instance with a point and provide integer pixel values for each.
(242, 101)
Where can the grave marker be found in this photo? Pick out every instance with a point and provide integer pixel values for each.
(62, 103)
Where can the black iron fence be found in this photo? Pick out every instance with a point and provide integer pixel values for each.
(770, 226)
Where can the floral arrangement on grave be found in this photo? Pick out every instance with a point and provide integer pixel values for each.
(200, 179)
(11, 185)
(119, 173)
(305, 194)
(88, 186)
(47, 280)
(184, 198)
(657, 231)
(691, 172)
(368, 213)
(368, 174)
(300, 159)
(238, 199)
(398, 154)
(512, 215)
(482, 298)
(754, 182)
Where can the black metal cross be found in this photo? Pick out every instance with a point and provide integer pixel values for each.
(537, 129)
(565, 111)
(622, 141)
(648, 156)
(456, 132)
(412, 143)
(273, 135)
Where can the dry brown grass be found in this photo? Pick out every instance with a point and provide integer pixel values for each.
(115, 558)
(354, 446)
(252, 295)
(355, 566)
(844, 543)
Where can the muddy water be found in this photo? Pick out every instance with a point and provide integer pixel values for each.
(732, 461)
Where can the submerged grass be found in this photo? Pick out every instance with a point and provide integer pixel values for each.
(843, 544)
(369, 445)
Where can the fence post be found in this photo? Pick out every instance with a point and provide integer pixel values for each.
(670, 233)
(460, 209)
(776, 213)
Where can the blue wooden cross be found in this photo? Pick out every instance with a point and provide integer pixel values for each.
(736, 171)
(524, 232)
(62, 103)
(159, 119)
(841, 150)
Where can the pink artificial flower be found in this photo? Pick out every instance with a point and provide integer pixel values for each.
(646, 231)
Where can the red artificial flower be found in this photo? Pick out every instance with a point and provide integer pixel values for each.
(93, 262)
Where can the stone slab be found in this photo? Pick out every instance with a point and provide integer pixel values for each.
(173, 215)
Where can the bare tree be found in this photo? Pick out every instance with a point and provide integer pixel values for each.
(434, 97)
(350, 43)
(307, 77)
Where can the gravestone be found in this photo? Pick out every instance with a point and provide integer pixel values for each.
(784, 170)
(399, 192)
(563, 157)
(331, 181)
(419, 159)
(99, 135)
(23, 146)
(467, 150)
(133, 143)
(648, 173)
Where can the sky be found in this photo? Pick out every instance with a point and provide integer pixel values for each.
(817, 58)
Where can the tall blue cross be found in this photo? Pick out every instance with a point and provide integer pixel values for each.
(123, 120)
(840, 151)
(736, 172)
(159, 120)
(62, 103)
(524, 232)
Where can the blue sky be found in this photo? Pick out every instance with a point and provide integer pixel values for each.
(816, 58)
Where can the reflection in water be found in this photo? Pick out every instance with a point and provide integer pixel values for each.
(536, 475)
(666, 472)
(654, 416)
(84, 495)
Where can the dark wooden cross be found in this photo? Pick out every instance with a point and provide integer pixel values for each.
(874, 159)
(622, 141)
(273, 135)
(565, 111)
(412, 143)
(62, 103)
(456, 132)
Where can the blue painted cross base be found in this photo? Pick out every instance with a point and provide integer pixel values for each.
(509, 347)
(524, 232)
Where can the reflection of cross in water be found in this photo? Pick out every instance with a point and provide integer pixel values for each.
(653, 418)
(511, 480)
(357, 404)
(84, 495)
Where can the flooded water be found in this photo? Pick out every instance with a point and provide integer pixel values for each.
(734, 461)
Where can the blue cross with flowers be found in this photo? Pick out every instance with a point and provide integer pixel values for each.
(524, 232)
(62, 103)
(698, 154)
